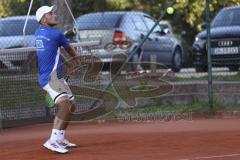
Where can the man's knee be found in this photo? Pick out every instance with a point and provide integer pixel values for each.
(73, 107)
(65, 109)
(61, 99)
(62, 102)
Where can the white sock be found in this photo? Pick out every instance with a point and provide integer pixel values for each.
(62, 135)
(55, 134)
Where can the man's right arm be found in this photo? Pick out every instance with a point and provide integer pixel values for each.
(72, 52)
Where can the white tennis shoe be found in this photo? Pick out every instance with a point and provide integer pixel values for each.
(66, 144)
(55, 147)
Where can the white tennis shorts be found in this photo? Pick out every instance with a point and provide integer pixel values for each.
(58, 88)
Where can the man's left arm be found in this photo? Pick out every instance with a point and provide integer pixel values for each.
(64, 42)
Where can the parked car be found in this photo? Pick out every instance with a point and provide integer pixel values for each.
(225, 33)
(124, 28)
(11, 36)
(181, 38)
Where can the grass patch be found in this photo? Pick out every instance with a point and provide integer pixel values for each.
(215, 78)
(195, 106)
(227, 78)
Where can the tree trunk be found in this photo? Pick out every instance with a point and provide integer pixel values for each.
(65, 21)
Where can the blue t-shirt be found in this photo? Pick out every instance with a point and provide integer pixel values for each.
(48, 41)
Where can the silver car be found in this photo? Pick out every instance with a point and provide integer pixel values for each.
(121, 32)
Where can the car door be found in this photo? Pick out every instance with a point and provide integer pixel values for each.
(161, 42)
(167, 43)
(140, 32)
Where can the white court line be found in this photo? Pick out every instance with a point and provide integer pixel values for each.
(210, 157)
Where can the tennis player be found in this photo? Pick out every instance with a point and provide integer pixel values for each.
(51, 79)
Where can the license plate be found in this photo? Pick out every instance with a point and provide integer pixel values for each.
(226, 50)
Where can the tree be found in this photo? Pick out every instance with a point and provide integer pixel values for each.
(188, 15)
(86, 6)
(17, 7)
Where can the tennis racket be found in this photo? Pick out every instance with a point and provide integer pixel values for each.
(86, 87)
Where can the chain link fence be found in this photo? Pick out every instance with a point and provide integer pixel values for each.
(169, 63)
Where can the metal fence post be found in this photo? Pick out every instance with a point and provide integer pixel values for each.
(210, 84)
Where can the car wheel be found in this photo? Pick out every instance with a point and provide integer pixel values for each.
(177, 60)
(201, 69)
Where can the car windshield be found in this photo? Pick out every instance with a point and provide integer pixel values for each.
(15, 27)
(228, 17)
(98, 21)
(10, 28)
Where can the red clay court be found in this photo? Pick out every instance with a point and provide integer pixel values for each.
(201, 139)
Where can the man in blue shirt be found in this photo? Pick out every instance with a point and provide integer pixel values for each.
(48, 43)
